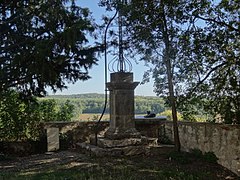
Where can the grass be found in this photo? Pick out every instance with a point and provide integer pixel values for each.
(101, 173)
(84, 167)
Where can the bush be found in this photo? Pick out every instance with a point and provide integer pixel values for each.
(185, 158)
(50, 110)
(168, 113)
(20, 118)
(208, 156)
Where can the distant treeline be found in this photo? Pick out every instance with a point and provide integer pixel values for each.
(94, 103)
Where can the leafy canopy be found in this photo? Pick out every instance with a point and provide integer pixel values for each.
(200, 39)
(44, 44)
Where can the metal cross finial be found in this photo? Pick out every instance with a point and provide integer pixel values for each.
(121, 58)
(120, 63)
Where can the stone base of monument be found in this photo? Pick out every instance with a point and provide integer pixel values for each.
(125, 147)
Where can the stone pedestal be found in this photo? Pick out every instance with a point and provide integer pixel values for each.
(121, 138)
(122, 123)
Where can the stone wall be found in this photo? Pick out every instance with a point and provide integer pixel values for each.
(222, 140)
(78, 131)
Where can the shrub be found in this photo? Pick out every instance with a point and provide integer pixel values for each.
(208, 156)
(20, 117)
(168, 113)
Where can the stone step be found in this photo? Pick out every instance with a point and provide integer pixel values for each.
(117, 151)
(125, 151)
(130, 141)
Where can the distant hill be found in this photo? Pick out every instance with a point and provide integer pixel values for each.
(93, 96)
(81, 96)
(94, 103)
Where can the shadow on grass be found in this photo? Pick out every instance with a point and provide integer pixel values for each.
(102, 172)
(78, 166)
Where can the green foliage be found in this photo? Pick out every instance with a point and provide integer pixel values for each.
(94, 103)
(194, 44)
(193, 155)
(50, 110)
(168, 113)
(197, 153)
(210, 54)
(44, 44)
(66, 111)
(20, 118)
(153, 104)
(208, 156)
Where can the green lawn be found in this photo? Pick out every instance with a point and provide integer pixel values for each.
(74, 165)
(120, 172)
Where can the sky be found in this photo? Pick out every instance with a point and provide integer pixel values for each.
(96, 83)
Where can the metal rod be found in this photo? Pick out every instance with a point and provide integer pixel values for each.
(121, 58)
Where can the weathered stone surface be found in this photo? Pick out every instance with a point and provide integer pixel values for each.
(52, 139)
(117, 151)
(210, 137)
(152, 141)
(108, 143)
(133, 150)
(118, 133)
(78, 131)
(122, 124)
(222, 140)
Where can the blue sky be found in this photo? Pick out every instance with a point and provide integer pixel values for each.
(96, 83)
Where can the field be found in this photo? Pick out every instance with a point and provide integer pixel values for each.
(91, 117)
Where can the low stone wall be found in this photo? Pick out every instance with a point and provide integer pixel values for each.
(81, 131)
(222, 140)
(78, 131)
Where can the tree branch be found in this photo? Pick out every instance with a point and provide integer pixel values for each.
(218, 22)
(201, 81)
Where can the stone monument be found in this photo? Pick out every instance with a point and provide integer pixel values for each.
(122, 123)
(121, 138)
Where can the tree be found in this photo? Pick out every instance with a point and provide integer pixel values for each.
(210, 52)
(48, 110)
(66, 111)
(44, 44)
(153, 27)
(19, 118)
(193, 47)
(151, 31)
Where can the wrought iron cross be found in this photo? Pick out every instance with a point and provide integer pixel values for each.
(120, 63)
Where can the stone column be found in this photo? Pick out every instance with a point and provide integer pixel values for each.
(122, 123)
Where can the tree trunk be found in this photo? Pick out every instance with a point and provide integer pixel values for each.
(172, 99)
(173, 105)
